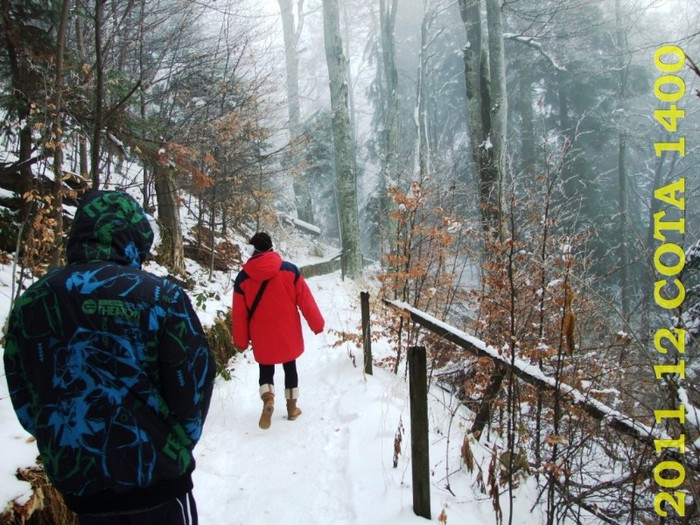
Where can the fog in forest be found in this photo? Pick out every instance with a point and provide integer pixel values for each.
(523, 170)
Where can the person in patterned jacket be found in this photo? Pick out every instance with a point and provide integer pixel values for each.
(108, 367)
(267, 296)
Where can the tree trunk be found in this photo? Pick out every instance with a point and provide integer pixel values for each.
(471, 17)
(347, 39)
(477, 77)
(99, 91)
(487, 110)
(572, 189)
(422, 98)
(24, 176)
(390, 133)
(528, 155)
(291, 33)
(172, 246)
(83, 147)
(291, 56)
(57, 248)
(623, 226)
(342, 141)
(499, 99)
(622, 165)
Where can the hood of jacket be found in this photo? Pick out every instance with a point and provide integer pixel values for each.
(263, 265)
(109, 226)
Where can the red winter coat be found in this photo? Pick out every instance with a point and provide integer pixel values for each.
(275, 328)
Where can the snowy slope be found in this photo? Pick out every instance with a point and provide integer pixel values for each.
(333, 465)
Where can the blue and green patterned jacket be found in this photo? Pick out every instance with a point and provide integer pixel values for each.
(108, 366)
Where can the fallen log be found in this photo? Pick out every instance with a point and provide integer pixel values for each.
(321, 268)
(304, 226)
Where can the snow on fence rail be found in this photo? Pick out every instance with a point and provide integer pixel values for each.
(533, 375)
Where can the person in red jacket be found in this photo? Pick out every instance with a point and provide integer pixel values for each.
(267, 296)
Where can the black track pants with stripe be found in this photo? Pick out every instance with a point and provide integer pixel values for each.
(179, 511)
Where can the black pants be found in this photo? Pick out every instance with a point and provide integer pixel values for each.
(179, 511)
(291, 379)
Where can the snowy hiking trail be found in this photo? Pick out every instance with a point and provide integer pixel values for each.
(333, 465)
(312, 470)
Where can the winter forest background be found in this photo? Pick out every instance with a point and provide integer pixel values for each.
(491, 163)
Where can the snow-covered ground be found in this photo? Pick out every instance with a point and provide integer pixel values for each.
(335, 463)
(332, 465)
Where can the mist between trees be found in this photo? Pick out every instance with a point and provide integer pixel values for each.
(494, 159)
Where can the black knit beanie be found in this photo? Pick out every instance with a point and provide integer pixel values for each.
(261, 241)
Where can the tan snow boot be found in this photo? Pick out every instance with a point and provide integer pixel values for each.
(267, 394)
(293, 411)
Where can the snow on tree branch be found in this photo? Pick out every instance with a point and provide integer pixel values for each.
(531, 42)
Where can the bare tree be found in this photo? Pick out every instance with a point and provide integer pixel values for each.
(171, 248)
(58, 137)
(342, 141)
(498, 95)
(422, 97)
(291, 29)
(390, 131)
(482, 131)
(622, 72)
(20, 33)
(99, 94)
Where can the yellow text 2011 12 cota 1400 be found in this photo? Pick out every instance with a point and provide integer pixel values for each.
(669, 291)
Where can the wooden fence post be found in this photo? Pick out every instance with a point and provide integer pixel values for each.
(366, 335)
(420, 462)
